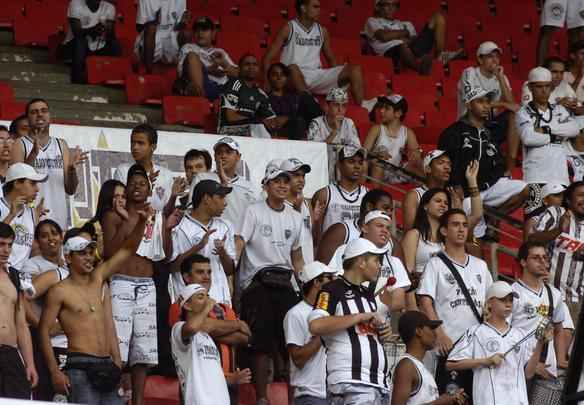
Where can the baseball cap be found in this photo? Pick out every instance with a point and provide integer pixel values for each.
(337, 95)
(371, 215)
(137, 170)
(293, 165)
(552, 188)
(188, 291)
(348, 151)
(500, 289)
(360, 246)
(77, 244)
(227, 141)
(434, 154)
(19, 171)
(208, 187)
(539, 74)
(487, 47)
(312, 270)
(410, 321)
(203, 23)
(475, 92)
(273, 171)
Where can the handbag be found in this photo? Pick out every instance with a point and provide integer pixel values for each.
(275, 277)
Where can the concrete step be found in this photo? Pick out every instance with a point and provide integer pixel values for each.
(23, 55)
(33, 72)
(70, 92)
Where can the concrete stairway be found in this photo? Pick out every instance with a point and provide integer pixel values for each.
(29, 73)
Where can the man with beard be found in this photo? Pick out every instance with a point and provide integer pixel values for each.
(50, 156)
(84, 311)
(270, 239)
(132, 289)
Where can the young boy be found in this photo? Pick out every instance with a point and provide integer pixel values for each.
(494, 350)
(197, 359)
(202, 68)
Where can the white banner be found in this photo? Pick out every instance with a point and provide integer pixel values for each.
(110, 147)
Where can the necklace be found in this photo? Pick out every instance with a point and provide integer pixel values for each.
(345, 195)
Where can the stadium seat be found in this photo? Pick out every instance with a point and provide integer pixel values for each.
(108, 70)
(373, 64)
(363, 129)
(376, 84)
(358, 114)
(427, 135)
(40, 20)
(238, 44)
(147, 89)
(6, 92)
(9, 11)
(185, 110)
(10, 110)
(161, 391)
(345, 49)
(245, 24)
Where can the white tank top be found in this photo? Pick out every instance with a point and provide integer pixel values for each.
(152, 245)
(420, 191)
(426, 250)
(341, 205)
(302, 48)
(352, 230)
(50, 161)
(23, 226)
(427, 390)
(395, 147)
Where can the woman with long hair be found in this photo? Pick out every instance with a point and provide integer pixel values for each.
(111, 195)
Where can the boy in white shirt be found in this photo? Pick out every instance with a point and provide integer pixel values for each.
(202, 68)
(307, 355)
(197, 359)
(91, 32)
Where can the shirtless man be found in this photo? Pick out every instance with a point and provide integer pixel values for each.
(81, 305)
(133, 291)
(17, 370)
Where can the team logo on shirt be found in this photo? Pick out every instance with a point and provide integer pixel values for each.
(479, 278)
(543, 310)
(450, 279)
(287, 233)
(266, 230)
(466, 144)
(349, 294)
(159, 192)
(493, 345)
(557, 11)
(365, 329)
(323, 301)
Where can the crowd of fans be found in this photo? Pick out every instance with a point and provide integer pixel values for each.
(223, 282)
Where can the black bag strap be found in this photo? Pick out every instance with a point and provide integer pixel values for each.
(546, 347)
(462, 286)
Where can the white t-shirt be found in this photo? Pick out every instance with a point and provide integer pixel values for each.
(319, 130)
(198, 366)
(188, 233)
(472, 77)
(78, 10)
(310, 379)
(544, 156)
(530, 308)
(375, 24)
(504, 384)
(161, 189)
(307, 242)
(561, 91)
(270, 237)
(167, 13)
(23, 226)
(569, 78)
(451, 307)
(205, 55)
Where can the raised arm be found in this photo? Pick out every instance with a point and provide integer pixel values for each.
(113, 233)
(71, 159)
(274, 48)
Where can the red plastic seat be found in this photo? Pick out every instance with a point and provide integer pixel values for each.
(6, 92)
(346, 49)
(9, 11)
(10, 110)
(358, 114)
(40, 20)
(374, 64)
(186, 110)
(240, 43)
(147, 89)
(108, 70)
(161, 391)
(246, 24)
(376, 84)
(427, 135)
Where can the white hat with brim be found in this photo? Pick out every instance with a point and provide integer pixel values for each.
(273, 172)
(435, 154)
(551, 189)
(500, 289)
(227, 141)
(348, 151)
(337, 95)
(375, 214)
(361, 246)
(488, 47)
(77, 244)
(19, 171)
(475, 93)
(312, 270)
(188, 291)
(539, 74)
(293, 165)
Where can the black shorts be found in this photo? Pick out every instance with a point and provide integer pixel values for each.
(13, 381)
(263, 308)
(421, 45)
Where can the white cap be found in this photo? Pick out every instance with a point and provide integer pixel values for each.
(434, 154)
(500, 289)
(371, 215)
(227, 141)
(539, 74)
(395, 98)
(312, 270)
(360, 246)
(77, 244)
(552, 188)
(293, 165)
(337, 95)
(473, 93)
(487, 47)
(188, 291)
(19, 171)
(273, 171)
(350, 150)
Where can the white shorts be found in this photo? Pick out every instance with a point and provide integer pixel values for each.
(557, 13)
(166, 47)
(134, 311)
(320, 81)
(494, 196)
